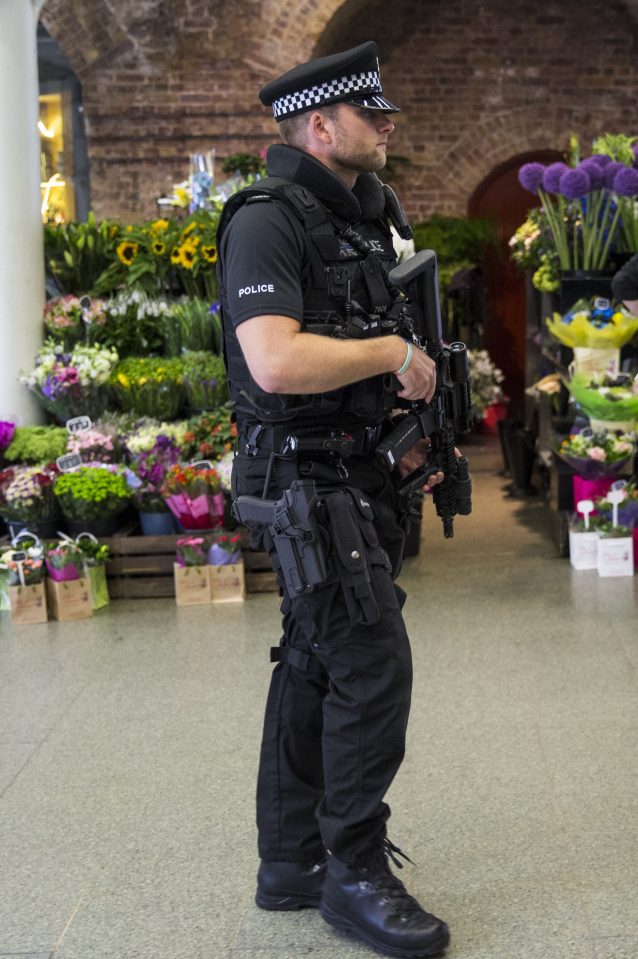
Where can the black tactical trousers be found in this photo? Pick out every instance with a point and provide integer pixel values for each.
(337, 710)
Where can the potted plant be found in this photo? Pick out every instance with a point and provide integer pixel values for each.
(37, 445)
(596, 456)
(210, 435)
(92, 499)
(149, 386)
(64, 561)
(71, 384)
(23, 567)
(27, 499)
(192, 584)
(193, 495)
(145, 478)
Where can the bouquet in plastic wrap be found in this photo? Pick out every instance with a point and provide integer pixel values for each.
(595, 454)
(627, 509)
(605, 396)
(594, 323)
(193, 495)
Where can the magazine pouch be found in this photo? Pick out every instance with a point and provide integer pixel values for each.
(356, 550)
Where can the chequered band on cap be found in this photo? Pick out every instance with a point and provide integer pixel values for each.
(324, 93)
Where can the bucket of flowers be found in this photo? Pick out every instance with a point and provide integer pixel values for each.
(204, 381)
(627, 510)
(145, 478)
(149, 386)
(27, 499)
(92, 498)
(192, 583)
(63, 561)
(193, 495)
(615, 542)
(71, 384)
(66, 320)
(94, 446)
(211, 434)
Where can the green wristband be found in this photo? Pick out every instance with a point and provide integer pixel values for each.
(407, 360)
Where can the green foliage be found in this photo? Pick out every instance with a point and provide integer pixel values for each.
(244, 164)
(455, 239)
(80, 255)
(91, 492)
(37, 444)
(616, 145)
(191, 324)
(150, 386)
(204, 381)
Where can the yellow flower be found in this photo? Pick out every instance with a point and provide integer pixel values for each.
(189, 229)
(182, 196)
(123, 379)
(158, 247)
(159, 226)
(176, 255)
(209, 253)
(129, 228)
(142, 380)
(126, 252)
(188, 256)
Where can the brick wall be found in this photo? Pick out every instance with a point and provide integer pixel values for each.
(479, 83)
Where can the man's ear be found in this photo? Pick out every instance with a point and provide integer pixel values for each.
(321, 127)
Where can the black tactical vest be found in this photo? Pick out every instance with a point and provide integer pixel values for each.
(345, 294)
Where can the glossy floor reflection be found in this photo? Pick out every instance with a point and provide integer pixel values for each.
(128, 750)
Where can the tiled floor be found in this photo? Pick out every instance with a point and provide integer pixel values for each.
(128, 748)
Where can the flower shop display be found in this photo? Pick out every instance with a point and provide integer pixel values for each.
(204, 381)
(226, 569)
(594, 324)
(211, 435)
(193, 495)
(67, 319)
(146, 477)
(615, 541)
(71, 384)
(486, 379)
(192, 325)
(596, 457)
(63, 561)
(135, 323)
(627, 506)
(37, 445)
(532, 247)
(92, 498)
(27, 499)
(94, 446)
(68, 588)
(148, 386)
(80, 255)
(608, 400)
(192, 582)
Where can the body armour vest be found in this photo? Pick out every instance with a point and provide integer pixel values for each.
(345, 294)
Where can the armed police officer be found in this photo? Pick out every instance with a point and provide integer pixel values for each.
(308, 327)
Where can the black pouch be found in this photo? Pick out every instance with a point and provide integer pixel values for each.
(356, 550)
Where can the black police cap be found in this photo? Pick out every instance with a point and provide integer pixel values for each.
(350, 77)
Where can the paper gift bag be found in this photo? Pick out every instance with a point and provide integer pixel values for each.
(28, 604)
(583, 549)
(70, 599)
(192, 585)
(228, 583)
(99, 587)
(615, 556)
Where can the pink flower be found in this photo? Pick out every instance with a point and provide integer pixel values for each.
(622, 447)
(597, 453)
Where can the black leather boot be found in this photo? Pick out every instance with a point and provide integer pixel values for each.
(369, 901)
(290, 885)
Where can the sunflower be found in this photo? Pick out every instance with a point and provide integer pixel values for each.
(189, 229)
(188, 254)
(158, 226)
(176, 255)
(209, 253)
(127, 251)
(158, 247)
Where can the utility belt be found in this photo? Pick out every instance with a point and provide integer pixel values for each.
(323, 535)
(335, 442)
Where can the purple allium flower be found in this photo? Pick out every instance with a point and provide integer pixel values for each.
(575, 183)
(602, 159)
(626, 182)
(594, 171)
(552, 176)
(530, 176)
(610, 173)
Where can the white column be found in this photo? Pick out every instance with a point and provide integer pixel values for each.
(21, 244)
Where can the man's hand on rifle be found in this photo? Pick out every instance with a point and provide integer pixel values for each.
(415, 458)
(419, 380)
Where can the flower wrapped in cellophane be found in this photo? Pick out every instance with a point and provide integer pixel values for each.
(193, 495)
(595, 324)
(608, 397)
(595, 454)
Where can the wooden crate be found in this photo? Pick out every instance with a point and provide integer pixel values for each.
(142, 566)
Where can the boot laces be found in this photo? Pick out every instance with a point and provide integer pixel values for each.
(384, 880)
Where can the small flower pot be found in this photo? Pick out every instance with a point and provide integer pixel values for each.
(590, 488)
(157, 524)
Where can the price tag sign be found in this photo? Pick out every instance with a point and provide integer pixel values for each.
(85, 305)
(79, 424)
(19, 557)
(69, 462)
